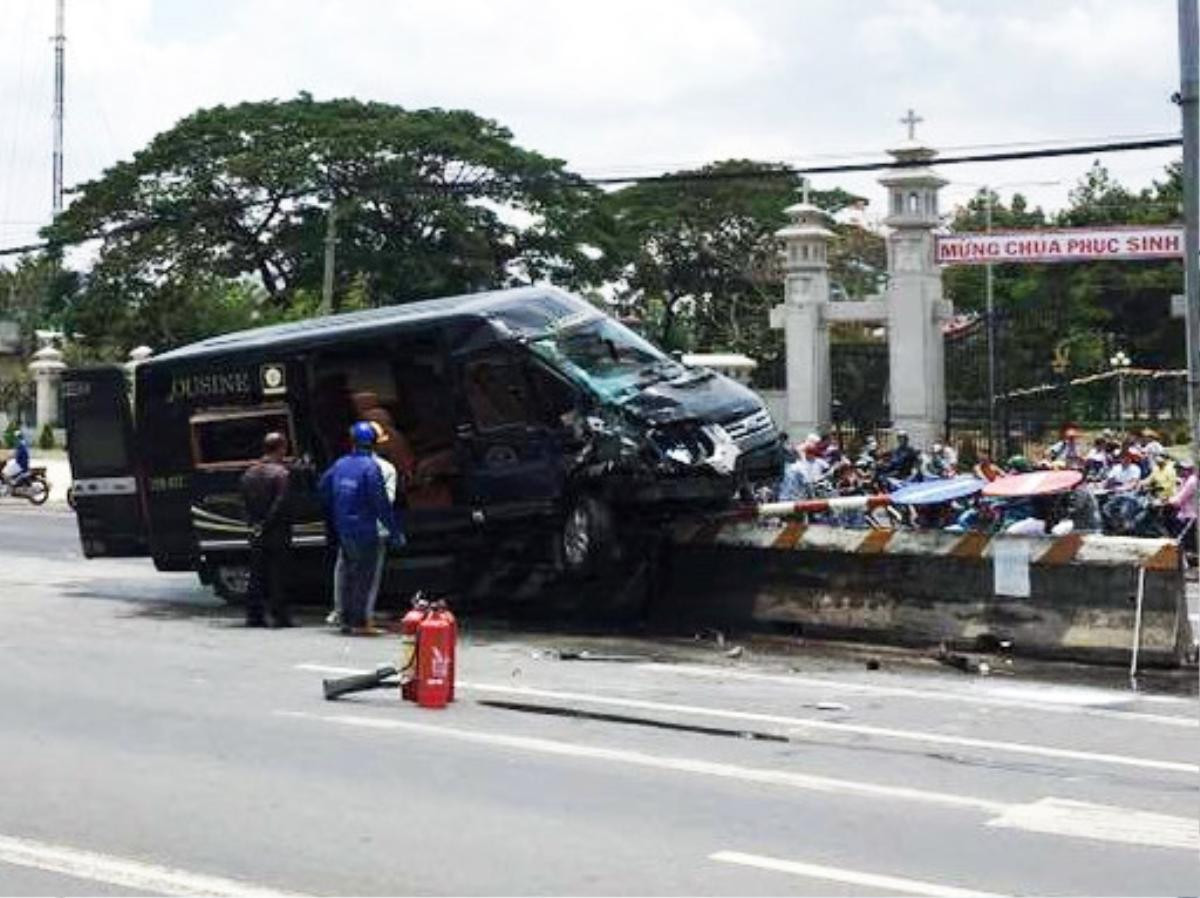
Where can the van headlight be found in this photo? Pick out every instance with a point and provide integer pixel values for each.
(690, 445)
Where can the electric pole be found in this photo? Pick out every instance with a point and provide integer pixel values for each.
(1189, 76)
(991, 341)
(56, 201)
(330, 250)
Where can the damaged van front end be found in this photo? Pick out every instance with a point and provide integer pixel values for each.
(654, 430)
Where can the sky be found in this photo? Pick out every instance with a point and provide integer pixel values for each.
(613, 87)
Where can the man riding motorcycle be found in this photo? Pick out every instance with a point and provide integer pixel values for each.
(16, 469)
(904, 460)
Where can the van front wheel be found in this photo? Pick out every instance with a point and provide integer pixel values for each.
(231, 582)
(586, 538)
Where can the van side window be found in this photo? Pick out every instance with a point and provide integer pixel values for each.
(233, 437)
(497, 393)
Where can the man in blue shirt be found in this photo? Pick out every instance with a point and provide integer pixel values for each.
(17, 466)
(356, 504)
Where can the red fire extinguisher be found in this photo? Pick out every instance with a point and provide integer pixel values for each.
(409, 629)
(434, 651)
(440, 607)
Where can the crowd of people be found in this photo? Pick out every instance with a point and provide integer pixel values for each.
(1129, 484)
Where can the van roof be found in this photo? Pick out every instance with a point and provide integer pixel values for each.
(316, 331)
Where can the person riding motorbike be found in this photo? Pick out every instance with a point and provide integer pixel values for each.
(16, 468)
(1066, 452)
(942, 461)
(904, 460)
(802, 475)
(1126, 474)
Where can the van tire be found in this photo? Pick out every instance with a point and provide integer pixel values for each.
(231, 582)
(586, 538)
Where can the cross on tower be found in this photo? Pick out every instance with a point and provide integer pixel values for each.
(911, 120)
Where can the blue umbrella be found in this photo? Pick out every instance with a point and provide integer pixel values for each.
(933, 492)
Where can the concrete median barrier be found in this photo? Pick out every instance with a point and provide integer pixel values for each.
(1071, 597)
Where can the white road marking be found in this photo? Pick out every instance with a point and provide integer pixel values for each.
(1051, 699)
(660, 762)
(871, 881)
(1071, 818)
(124, 872)
(1024, 748)
(331, 669)
(1077, 818)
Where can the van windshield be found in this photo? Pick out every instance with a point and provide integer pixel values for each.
(606, 355)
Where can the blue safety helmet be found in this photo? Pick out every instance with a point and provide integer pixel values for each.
(362, 433)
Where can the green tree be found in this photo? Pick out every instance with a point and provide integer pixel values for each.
(429, 202)
(35, 293)
(700, 256)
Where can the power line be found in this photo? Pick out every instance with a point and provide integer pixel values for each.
(671, 178)
(844, 168)
(844, 155)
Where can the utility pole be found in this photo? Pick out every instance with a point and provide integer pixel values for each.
(56, 201)
(1189, 84)
(330, 251)
(991, 333)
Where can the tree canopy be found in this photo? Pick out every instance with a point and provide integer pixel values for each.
(234, 200)
(701, 260)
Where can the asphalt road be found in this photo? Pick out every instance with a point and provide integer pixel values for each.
(151, 745)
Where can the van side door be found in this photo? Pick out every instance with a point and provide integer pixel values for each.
(109, 505)
(515, 456)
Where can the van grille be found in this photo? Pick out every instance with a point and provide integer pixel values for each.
(749, 427)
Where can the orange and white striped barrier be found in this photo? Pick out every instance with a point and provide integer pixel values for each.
(1072, 596)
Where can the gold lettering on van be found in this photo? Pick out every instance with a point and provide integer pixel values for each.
(205, 386)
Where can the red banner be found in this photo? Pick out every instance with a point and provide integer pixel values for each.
(1066, 245)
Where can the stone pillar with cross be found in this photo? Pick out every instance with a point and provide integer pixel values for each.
(916, 310)
(911, 306)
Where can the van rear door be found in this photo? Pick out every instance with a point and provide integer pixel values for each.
(100, 445)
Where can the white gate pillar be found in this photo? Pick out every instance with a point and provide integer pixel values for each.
(806, 331)
(47, 368)
(916, 309)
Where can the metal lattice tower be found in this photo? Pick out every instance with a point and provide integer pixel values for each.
(57, 153)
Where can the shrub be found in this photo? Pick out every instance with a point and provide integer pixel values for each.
(10, 434)
(46, 437)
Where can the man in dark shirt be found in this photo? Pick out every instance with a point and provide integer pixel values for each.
(904, 460)
(264, 489)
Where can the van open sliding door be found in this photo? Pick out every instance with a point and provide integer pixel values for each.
(101, 449)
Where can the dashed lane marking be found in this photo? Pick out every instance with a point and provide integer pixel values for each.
(124, 872)
(868, 881)
(1077, 819)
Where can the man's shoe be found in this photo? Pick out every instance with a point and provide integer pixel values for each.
(334, 618)
(282, 623)
(256, 622)
(368, 631)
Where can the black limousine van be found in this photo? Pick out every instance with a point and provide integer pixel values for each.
(515, 416)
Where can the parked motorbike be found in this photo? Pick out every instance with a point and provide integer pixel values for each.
(32, 485)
